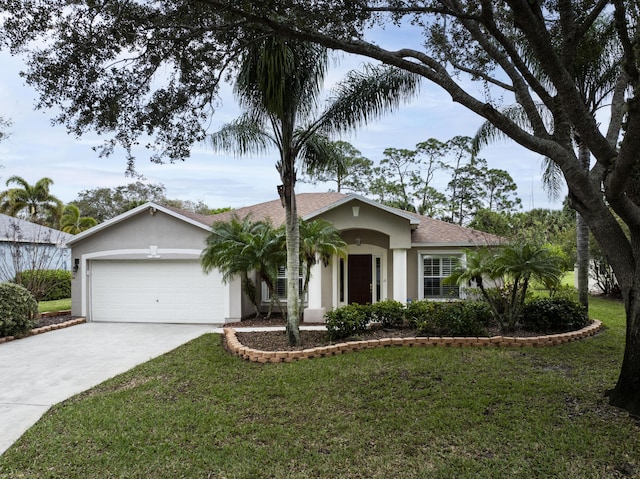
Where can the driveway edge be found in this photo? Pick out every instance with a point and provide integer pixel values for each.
(45, 329)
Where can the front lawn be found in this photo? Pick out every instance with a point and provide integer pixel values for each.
(396, 412)
(55, 305)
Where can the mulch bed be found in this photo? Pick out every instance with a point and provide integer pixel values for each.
(48, 321)
(277, 340)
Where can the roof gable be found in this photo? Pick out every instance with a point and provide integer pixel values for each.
(190, 218)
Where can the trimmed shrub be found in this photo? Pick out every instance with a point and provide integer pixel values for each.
(47, 284)
(456, 318)
(416, 311)
(347, 321)
(18, 310)
(388, 312)
(554, 315)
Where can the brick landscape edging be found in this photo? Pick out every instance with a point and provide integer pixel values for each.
(51, 327)
(236, 348)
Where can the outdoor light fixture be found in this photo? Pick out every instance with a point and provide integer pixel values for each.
(355, 210)
(76, 265)
(358, 241)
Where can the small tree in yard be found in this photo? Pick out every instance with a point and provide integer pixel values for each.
(319, 241)
(242, 246)
(515, 265)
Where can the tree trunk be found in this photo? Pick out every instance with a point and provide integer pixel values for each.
(582, 262)
(626, 393)
(287, 195)
(582, 235)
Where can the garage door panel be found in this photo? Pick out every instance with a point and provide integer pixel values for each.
(155, 291)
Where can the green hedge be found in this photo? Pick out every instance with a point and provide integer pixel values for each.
(452, 318)
(18, 310)
(430, 318)
(47, 284)
(389, 313)
(554, 315)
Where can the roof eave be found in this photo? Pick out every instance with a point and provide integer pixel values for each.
(352, 197)
(456, 244)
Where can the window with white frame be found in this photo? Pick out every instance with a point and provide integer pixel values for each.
(434, 269)
(280, 287)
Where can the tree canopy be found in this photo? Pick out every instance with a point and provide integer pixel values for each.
(104, 203)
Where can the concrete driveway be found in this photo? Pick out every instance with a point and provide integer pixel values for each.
(42, 370)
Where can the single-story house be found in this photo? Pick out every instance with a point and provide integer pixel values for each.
(25, 246)
(144, 265)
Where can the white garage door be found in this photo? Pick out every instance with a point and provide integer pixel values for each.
(165, 291)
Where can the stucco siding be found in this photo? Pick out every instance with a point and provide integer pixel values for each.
(412, 274)
(397, 229)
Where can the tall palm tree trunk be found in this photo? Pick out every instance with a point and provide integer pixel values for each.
(582, 235)
(288, 197)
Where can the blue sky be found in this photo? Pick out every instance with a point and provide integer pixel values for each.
(37, 149)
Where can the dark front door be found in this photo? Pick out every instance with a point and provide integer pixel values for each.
(359, 277)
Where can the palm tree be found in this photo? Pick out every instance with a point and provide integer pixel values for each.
(515, 265)
(240, 246)
(278, 85)
(477, 267)
(519, 263)
(598, 75)
(319, 241)
(34, 202)
(72, 222)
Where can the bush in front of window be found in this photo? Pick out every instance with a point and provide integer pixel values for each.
(456, 318)
(554, 315)
(18, 310)
(389, 313)
(347, 321)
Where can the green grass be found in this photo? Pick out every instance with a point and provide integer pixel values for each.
(396, 412)
(56, 305)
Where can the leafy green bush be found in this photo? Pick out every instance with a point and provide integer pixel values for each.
(18, 309)
(554, 315)
(388, 312)
(565, 291)
(47, 284)
(347, 321)
(416, 311)
(456, 318)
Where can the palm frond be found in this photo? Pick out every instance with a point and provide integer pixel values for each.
(488, 133)
(242, 136)
(367, 95)
(320, 155)
(552, 179)
(279, 76)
